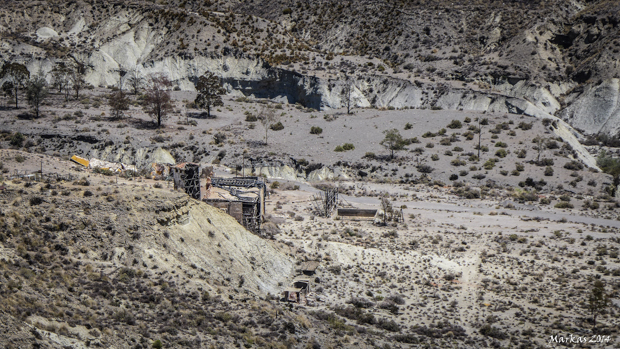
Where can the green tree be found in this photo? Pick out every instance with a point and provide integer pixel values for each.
(18, 75)
(60, 78)
(347, 89)
(136, 81)
(36, 92)
(610, 166)
(210, 92)
(267, 117)
(118, 103)
(157, 102)
(598, 300)
(77, 82)
(393, 141)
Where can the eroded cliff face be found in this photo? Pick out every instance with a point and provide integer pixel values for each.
(594, 109)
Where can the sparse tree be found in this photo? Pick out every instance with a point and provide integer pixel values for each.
(540, 146)
(36, 92)
(7, 89)
(18, 75)
(610, 166)
(347, 89)
(393, 141)
(136, 81)
(118, 103)
(60, 78)
(598, 299)
(210, 92)
(117, 100)
(267, 117)
(77, 82)
(481, 122)
(158, 102)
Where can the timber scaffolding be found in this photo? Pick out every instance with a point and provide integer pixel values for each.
(325, 202)
(245, 200)
(187, 177)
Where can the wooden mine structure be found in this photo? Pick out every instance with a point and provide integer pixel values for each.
(187, 177)
(245, 202)
(325, 202)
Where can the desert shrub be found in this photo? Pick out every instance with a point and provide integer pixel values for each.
(442, 132)
(406, 338)
(36, 200)
(360, 302)
(521, 153)
(19, 158)
(17, 139)
(397, 299)
(445, 141)
(573, 165)
(388, 325)
(548, 171)
(434, 157)
(492, 331)
(545, 162)
(519, 167)
(428, 134)
(591, 205)
(467, 193)
(157, 344)
(408, 126)
(525, 126)
(489, 164)
(454, 124)
(249, 117)
(348, 146)
(501, 153)
(527, 196)
(458, 162)
(484, 121)
(275, 185)
(315, 130)
(479, 176)
(425, 168)
(277, 126)
(336, 270)
(223, 317)
(344, 147)
(430, 145)
(501, 145)
(563, 204)
(545, 201)
(370, 155)
(552, 144)
(219, 138)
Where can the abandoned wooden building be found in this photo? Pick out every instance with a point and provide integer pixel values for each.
(309, 267)
(298, 291)
(243, 198)
(187, 178)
